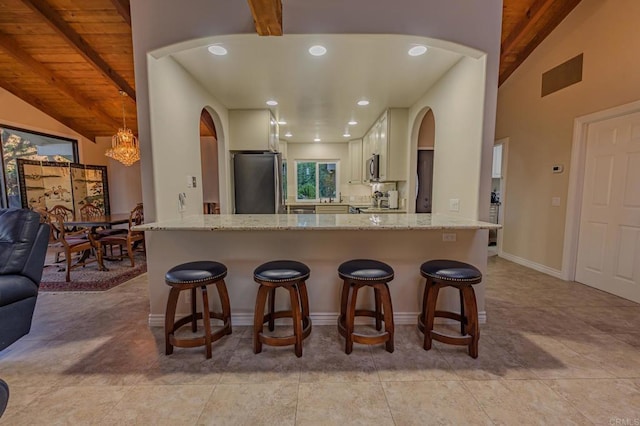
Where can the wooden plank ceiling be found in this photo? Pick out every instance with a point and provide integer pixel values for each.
(70, 58)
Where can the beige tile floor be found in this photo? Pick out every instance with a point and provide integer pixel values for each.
(551, 352)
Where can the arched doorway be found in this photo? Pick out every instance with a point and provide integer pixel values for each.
(424, 168)
(209, 164)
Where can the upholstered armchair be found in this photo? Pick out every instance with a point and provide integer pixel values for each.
(4, 396)
(23, 247)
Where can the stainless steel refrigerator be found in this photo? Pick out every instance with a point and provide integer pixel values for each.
(257, 181)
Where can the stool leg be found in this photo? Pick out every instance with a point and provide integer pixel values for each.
(376, 293)
(432, 298)
(169, 318)
(297, 320)
(258, 318)
(272, 309)
(226, 305)
(304, 301)
(472, 313)
(344, 300)
(351, 316)
(463, 319)
(194, 320)
(206, 319)
(388, 315)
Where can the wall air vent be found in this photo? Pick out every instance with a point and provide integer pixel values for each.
(564, 75)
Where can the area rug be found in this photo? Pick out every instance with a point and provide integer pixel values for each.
(89, 278)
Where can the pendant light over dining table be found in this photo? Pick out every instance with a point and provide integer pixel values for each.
(124, 145)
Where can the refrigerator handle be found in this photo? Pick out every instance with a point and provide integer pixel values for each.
(279, 202)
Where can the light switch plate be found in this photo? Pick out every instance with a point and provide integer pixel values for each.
(555, 201)
(454, 204)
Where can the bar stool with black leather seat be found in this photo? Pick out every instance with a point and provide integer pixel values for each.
(292, 276)
(356, 274)
(450, 273)
(190, 276)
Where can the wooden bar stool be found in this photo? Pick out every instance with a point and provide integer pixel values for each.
(290, 275)
(450, 273)
(357, 274)
(190, 276)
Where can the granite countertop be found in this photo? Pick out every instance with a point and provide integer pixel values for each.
(314, 222)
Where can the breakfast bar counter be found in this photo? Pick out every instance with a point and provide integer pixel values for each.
(321, 241)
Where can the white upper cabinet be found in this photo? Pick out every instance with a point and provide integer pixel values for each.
(355, 161)
(388, 137)
(253, 130)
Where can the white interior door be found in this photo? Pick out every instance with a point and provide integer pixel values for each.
(609, 240)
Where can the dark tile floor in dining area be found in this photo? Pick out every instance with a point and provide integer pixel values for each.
(551, 352)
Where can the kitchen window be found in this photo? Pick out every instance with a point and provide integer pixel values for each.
(20, 143)
(316, 180)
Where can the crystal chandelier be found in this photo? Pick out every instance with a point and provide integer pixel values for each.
(124, 145)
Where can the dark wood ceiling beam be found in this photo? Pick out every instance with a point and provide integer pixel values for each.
(55, 21)
(524, 26)
(50, 111)
(9, 45)
(267, 16)
(525, 29)
(123, 7)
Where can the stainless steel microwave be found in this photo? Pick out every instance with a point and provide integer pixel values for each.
(373, 168)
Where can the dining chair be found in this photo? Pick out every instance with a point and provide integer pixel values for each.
(90, 210)
(67, 215)
(131, 238)
(69, 243)
(60, 210)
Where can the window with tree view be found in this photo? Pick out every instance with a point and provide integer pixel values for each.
(316, 180)
(20, 143)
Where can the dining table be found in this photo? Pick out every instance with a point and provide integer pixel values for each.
(98, 221)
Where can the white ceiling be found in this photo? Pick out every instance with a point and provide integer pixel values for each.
(317, 95)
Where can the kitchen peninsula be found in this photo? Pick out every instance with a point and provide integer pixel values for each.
(322, 241)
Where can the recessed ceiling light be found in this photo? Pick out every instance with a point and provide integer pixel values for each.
(288, 135)
(347, 135)
(317, 50)
(417, 50)
(352, 123)
(271, 102)
(282, 122)
(316, 140)
(218, 50)
(363, 102)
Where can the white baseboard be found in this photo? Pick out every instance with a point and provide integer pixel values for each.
(532, 265)
(325, 318)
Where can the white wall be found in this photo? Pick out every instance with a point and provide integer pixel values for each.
(157, 24)
(540, 130)
(457, 102)
(176, 101)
